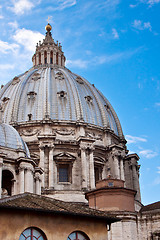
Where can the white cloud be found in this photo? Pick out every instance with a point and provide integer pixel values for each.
(158, 170)
(27, 38)
(5, 47)
(132, 139)
(138, 24)
(115, 33)
(148, 153)
(21, 6)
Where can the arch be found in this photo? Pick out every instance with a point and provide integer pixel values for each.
(76, 235)
(7, 182)
(33, 233)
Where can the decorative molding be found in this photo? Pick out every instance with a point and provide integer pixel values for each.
(36, 76)
(94, 136)
(31, 95)
(79, 80)
(59, 76)
(62, 94)
(30, 132)
(88, 99)
(65, 132)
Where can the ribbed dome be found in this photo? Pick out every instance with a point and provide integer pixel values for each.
(54, 92)
(10, 138)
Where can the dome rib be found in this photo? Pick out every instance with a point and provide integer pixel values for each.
(57, 93)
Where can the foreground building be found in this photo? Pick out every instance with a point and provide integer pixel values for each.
(75, 145)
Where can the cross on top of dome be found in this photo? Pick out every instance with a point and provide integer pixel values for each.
(48, 52)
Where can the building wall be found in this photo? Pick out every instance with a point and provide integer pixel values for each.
(55, 227)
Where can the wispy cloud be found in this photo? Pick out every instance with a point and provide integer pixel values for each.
(115, 33)
(1, 15)
(157, 104)
(103, 59)
(13, 25)
(132, 139)
(62, 4)
(152, 2)
(5, 47)
(19, 7)
(139, 25)
(158, 170)
(148, 153)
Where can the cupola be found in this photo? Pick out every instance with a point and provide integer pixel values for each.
(48, 52)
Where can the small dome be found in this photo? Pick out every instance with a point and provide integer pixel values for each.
(10, 138)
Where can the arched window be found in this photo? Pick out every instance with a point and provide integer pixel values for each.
(32, 234)
(7, 183)
(77, 236)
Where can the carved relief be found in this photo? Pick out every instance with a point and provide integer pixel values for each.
(94, 136)
(30, 132)
(65, 132)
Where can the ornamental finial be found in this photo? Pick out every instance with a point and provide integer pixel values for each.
(48, 26)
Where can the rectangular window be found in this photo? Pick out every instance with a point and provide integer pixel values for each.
(64, 173)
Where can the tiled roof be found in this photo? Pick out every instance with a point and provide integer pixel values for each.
(33, 202)
(150, 207)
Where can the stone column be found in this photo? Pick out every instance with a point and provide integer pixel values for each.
(51, 175)
(42, 57)
(91, 168)
(63, 62)
(136, 179)
(41, 164)
(14, 187)
(29, 179)
(54, 58)
(84, 166)
(37, 59)
(59, 59)
(116, 165)
(1, 165)
(122, 169)
(21, 179)
(48, 57)
(38, 183)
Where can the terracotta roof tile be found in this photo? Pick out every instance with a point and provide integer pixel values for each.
(35, 202)
(150, 207)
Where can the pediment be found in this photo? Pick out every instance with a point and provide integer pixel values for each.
(64, 156)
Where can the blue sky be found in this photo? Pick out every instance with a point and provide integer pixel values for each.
(114, 44)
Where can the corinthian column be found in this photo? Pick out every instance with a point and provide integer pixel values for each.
(116, 164)
(122, 169)
(29, 179)
(1, 165)
(91, 169)
(51, 175)
(41, 164)
(84, 166)
(21, 180)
